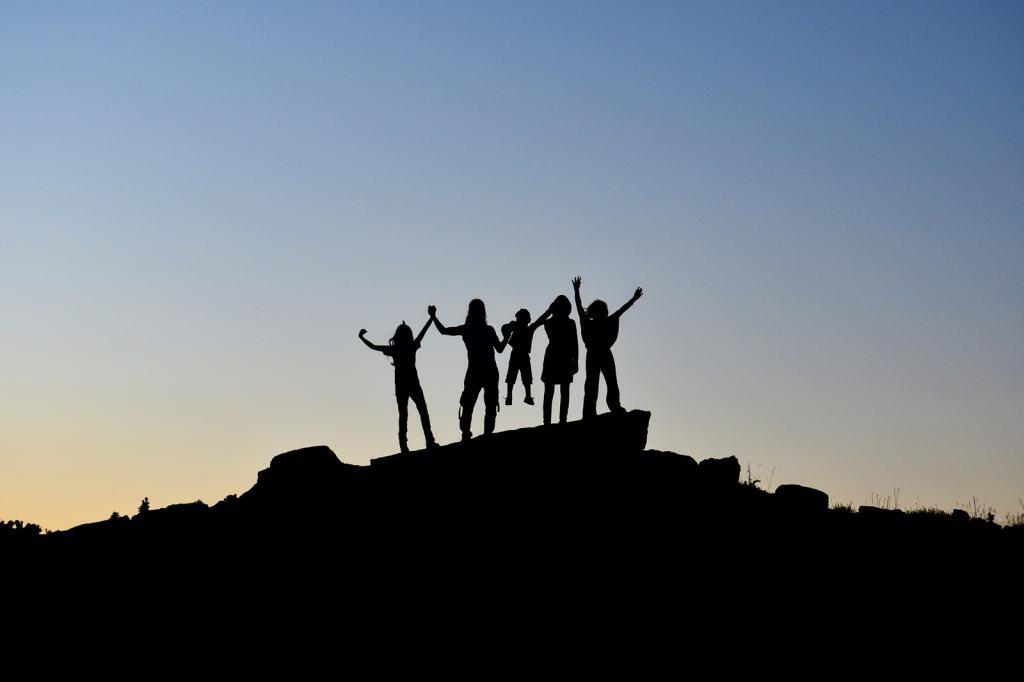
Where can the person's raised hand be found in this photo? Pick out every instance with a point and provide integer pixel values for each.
(576, 282)
(638, 293)
(432, 310)
(362, 333)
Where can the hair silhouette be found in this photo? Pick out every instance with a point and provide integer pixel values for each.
(402, 349)
(561, 307)
(600, 331)
(561, 357)
(597, 310)
(476, 314)
(401, 340)
(481, 370)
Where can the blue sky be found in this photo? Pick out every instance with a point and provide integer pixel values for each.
(201, 203)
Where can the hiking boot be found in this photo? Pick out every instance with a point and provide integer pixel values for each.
(528, 400)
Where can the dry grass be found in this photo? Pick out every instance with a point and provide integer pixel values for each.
(1015, 519)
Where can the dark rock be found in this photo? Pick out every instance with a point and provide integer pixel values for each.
(800, 499)
(960, 515)
(304, 462)
(868, 510)
(518, 475)
(668, 479)
(299, 480)
(719, 473)
(602, 439)
(669, 463)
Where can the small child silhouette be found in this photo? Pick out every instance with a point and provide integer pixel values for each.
(521, 342)
(599, 331)
(402, 351)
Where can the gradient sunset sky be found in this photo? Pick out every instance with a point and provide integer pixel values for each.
(202, 202)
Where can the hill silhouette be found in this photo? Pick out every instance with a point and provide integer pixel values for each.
(579, 511)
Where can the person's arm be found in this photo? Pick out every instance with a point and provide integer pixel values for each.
(636, 296)
(499, 345)
(423, 332)
(362, 337)
(540, 320)
(579, 303)
(454, 331)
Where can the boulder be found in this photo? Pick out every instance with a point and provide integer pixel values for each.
(669, 463)
(719, 473)
(801, 499)
(311, 461)
(300, 477)
(868, 510)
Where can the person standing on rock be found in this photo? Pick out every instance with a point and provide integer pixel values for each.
(521, 342)
(482, 371)
(402, 351)
(561, 357)
(600, 330)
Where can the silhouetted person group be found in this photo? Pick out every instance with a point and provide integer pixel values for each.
(561, 360)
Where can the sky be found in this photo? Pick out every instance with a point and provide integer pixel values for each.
(201, 203)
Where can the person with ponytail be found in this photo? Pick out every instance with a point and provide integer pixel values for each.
(402, 351)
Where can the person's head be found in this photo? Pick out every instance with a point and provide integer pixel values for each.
(598, 310)
(477, 313)
(403, 335)
(523, 316)
(561, 307)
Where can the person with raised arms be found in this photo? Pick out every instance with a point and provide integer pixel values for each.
(402, 351)
(481, 371)
(599, 331)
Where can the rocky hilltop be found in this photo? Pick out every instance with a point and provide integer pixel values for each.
(579, 511)
(590, 482)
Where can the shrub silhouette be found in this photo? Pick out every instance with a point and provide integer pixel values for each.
(17, 529)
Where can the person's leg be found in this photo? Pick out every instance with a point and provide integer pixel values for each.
(549, 394)
(563, 406)
(421, 404)
(527, 372)
(470, 390)
(590, 384)
(403, 417)
(510, 378)
(491, 402)
(611, 384)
